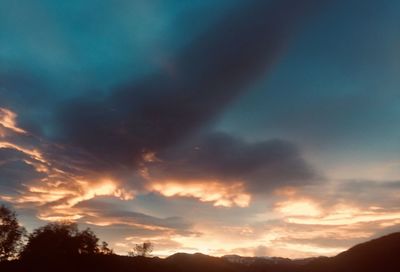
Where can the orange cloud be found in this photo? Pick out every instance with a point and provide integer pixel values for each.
(116, 221)
(59, 191)
(305, 210)
(8, 121)
(33, 153)
(298, 208)
(346, 215)
(219, 194)
(307, 227)
(60, 198)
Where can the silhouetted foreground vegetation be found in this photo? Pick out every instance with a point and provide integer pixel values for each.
(63, 247)
(11, 234)
(381, 255)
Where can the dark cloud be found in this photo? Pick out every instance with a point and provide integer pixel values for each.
(353, 186)
(8, 154)
(382, 195)
(220, 156)
(98, 210)
(161, 110)
(363, 193)
(13, 174)
(26, 94)
(15, 171)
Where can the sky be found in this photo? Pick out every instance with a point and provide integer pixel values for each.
(257, 128)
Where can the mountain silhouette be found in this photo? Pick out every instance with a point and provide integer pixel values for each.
(379, 255)
(382, 254)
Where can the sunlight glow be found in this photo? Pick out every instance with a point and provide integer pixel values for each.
(206, 191)
(60, 199)
(8, 120)
(298, 208)
(346, 217)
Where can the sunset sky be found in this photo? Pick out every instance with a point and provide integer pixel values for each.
(258, 128)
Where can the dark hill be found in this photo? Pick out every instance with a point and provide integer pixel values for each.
(382, 254)
(199, 262)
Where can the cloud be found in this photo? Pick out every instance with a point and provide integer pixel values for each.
(108, 213)
(212, 167)
(107, 133)
(56, 196)
(20, 163)
(78, 139)
(312, 224)
(8, 121)
(380, 194)
(204, 190)
(299, 236)
(222, 158)
(30, 177)
(353, 186)
(14, 173)
(161, 110)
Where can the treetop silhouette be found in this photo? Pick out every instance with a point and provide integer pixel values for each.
(11, 234)
(60, 239)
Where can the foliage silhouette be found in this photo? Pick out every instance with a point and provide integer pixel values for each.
(11, 234)
(105, 250)
(143, 250)
(61, 239)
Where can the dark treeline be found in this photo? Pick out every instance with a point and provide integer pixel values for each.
(63, 247)
(57, 245)
(52, 240)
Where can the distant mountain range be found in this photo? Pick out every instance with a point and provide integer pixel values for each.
(379, 255)
(266, 260)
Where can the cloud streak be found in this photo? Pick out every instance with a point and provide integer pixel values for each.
(200, 166)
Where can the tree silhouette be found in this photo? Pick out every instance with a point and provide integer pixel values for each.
(143, 249)
(105, 250)
(11, 234)
(60, 239)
